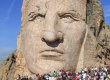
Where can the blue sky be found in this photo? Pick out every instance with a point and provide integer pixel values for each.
(106, 8)
(10, 19)
(10, 13)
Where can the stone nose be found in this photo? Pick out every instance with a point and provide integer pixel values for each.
(50, 36)
(51, 32)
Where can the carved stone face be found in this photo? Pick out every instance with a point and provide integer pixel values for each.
(53, 34)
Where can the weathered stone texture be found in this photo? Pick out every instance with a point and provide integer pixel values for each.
(7, 68)
(101, 35)
(96, 47)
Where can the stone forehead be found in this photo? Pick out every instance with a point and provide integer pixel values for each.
(79, 5)
(57, 2)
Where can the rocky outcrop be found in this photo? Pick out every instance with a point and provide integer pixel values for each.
(96, 49)
(7, 68)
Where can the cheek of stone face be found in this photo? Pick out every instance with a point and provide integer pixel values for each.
(29, 47)
(74, 37)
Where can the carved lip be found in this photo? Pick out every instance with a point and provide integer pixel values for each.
(51, 53)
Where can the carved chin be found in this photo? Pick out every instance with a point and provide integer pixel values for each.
(45, 66)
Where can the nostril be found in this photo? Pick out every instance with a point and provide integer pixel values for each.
(51, 36)
(52, 39)
(43, 39)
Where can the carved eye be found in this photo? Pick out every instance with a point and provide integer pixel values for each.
(31, 16)
(37, 17)
(68, 18)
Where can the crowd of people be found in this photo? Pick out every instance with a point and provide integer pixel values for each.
(87, 73)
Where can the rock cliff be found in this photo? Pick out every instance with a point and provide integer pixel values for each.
(98, 45)
(96, 49)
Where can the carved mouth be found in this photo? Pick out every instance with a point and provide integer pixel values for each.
(52, 54)
(56, 51)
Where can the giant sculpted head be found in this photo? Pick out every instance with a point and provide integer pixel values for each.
(53, 32)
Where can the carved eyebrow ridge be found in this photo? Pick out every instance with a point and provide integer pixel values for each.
(74, 13)
(69, 11)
